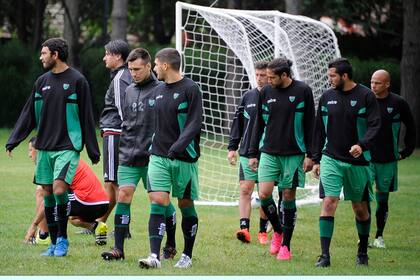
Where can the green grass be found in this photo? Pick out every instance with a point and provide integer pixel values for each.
(216, 251)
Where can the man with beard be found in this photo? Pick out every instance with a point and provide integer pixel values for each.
(347, 121)
(60, 109)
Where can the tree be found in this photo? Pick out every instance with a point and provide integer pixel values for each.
(72, 30)
(119, 19)
(410, 62)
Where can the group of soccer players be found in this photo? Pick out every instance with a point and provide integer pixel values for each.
(151, 127)
(351, 143)
(151, 132)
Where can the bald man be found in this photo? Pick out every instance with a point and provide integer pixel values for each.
(385, 154)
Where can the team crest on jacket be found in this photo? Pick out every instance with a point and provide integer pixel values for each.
(176, 95)
(66, 86)
(353, 103)
(390, 109)
(292, 98)
(151, 102)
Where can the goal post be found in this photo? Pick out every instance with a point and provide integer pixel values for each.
(219, 48)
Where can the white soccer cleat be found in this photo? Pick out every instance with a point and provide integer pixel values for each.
(150, 262)
(184, 262)
(379, 243)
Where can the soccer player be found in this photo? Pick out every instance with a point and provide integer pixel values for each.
(136, 137)
(240, 132)
(174, 154)
(347, 121)
(60, 108)
(283, 134)
(385, 154)
(116, 53)
(89, 202)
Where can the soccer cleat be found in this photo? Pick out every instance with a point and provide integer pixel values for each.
(62, 247)
(150, 262)
(284, 254)
(113, 255)
(168, 253)
(184, 262)
(49, 252)
(323, 261)
(100, 233)
(263, 238)
(362, 259)
(243, 235)
(39, 241)
(379, 243)
(276, 243)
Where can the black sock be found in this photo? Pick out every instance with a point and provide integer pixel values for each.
(51, 223)
(288, 221)
(263, 225)
(363, 228)
(381, 214)
(170, 220)
(157, 227)
(280, 208)
(121, 222)
(43, 235)
(63, 211)
(189, 226)
(244, 223)
(270, 211)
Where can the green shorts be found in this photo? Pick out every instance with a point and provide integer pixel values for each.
(286, 170)
(385, 176)
(179, 176)
(129, 176)
(56, 165)
(355, 179)
(245, 172)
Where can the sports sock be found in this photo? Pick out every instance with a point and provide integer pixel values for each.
(244, 223)
(279, 208)
(43, 235)
(170, 220)
(49, 208)
(63, 211)
(381, 213)
(270, 211)
(157, 227)
(326, 229)
(363, 228)
(121, 222)
(189, 228)
(263, 225)
(288, 221)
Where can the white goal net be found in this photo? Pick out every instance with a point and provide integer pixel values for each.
(219, 48)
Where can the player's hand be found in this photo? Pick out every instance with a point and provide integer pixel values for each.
(232, 157)
(356, 151)
(307, 164)
(30, 234)
(316, 170)
(253, 164)
(9, 153)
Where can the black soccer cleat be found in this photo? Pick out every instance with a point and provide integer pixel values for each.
(113, 255)
(168, 253)
(323, 261)
(362, 259)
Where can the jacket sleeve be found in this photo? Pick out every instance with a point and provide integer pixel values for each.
(373, 118)
(193, 122)
(87, 122)
(319, 134)
(24, 125)
(309, 120)
(257, 129)
(236, 130)
(410, 130)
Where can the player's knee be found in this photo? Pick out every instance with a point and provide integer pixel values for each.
(125, 194)
(289, 194)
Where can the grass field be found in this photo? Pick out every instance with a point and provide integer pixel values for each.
(217, 252)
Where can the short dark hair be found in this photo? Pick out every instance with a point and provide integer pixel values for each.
(139, 53)
(170, 56)
(118, 47)
(32, 140)
(280, 66)
(58, 45)
(342, 65)
(261, 65)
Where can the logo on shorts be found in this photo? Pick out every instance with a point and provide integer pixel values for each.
(292, 98)
(66, 86)
(390, 109)
(353, 103)
(176, 95)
